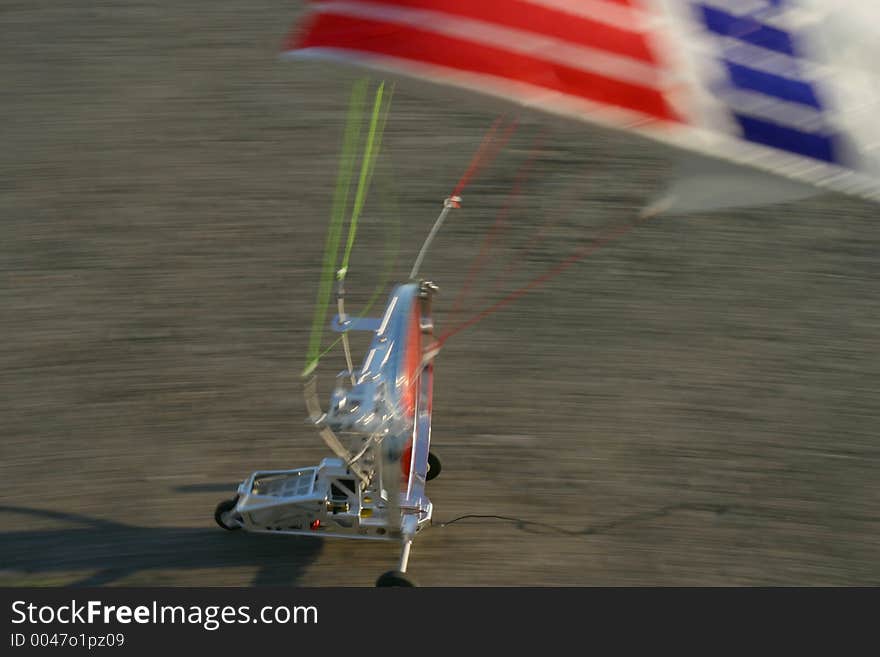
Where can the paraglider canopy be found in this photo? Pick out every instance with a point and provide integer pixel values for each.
(789, 87)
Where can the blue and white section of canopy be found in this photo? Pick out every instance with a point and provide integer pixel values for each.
(794, 83)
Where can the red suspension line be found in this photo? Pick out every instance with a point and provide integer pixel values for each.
(485, 153)
(517, 260)
(577, 256)
(499, 224)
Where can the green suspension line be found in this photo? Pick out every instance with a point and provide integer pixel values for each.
(340, 202)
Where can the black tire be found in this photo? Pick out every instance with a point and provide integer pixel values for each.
(222, 509)
(394, 578)
(434, 466)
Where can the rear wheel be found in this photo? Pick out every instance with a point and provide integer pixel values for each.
(434, 466)
(221, 514)
(394, 578)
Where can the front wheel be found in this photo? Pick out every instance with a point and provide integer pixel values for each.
(394, 578)
(221, 514)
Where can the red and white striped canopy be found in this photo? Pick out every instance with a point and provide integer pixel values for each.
(788, 86)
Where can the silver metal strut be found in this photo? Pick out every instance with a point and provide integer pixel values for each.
(448, 204)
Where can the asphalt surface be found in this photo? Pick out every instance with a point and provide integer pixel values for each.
(696, 403)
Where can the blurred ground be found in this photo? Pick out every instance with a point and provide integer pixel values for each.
(695, 404)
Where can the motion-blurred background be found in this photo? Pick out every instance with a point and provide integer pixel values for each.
(694, 404)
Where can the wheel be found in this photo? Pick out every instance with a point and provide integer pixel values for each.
(222, 509)
(434, 466)
(394, 578)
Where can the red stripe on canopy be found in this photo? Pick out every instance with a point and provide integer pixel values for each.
(521, 15)
(421, 46)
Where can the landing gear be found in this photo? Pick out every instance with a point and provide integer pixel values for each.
(223, 514)
(434, 466)
(394, 578)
